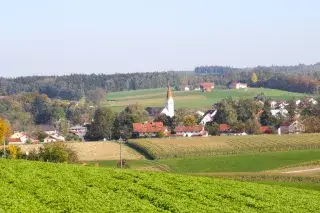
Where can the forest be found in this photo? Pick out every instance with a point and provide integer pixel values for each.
(300, 78)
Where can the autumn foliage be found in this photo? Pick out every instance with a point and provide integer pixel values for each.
(5, 130)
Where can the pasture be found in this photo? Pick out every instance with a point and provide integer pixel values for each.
(222, 145)
(190, 99)
(28, 186)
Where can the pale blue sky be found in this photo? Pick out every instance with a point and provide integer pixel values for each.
(49, 37)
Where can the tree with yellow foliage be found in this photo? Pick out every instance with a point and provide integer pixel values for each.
(189, 120)
(5, 130)
(254, 78)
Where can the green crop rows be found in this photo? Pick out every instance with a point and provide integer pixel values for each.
(223, 145)
(28, 186)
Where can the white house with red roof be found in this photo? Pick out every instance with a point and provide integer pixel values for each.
(237, 85)
(189, 131)
(18, 138)
(206, 86)
(291, 127)
(149, 129)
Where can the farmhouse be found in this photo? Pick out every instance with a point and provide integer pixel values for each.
(206, 86)
(48, 129)
(226, 130)
(291, 127)
(265, 130)
(149, 129)
(189, 131)
(18, 138)
(78, 130)
(208, 117)
(237, 85)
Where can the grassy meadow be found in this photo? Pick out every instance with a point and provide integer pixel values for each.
(190, 99)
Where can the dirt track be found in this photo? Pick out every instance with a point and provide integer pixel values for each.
(90, 151)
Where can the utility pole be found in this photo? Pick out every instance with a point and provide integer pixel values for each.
(120, 140)
(4, 149)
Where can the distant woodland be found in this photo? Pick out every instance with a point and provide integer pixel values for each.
(300, 78)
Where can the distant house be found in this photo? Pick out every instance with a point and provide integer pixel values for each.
(154, 111)
(53, 138)
(237, 85)
(78, 130)
(208, 117)
(226, 130)
(291, 127)
(49, 139)
(189, 131)
(206, 86)
(48, 129)
(277, 112)
(265, 130)
(18, 138)
(186, 88)
(149, 129)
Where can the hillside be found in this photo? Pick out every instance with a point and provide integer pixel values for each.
(44, 187)
(190, 99)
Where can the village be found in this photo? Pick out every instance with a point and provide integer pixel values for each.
(152, 128)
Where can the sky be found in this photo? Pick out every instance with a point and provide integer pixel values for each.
(57, 37)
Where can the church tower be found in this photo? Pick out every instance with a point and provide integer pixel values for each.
(169, 110)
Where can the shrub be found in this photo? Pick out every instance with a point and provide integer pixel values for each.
(124, 164)
(161, 134)
(56, 152)
(12, 152)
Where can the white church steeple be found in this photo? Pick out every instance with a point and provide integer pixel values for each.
(169, 110)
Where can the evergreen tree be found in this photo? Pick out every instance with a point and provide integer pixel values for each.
(266, 118)
(102, 124)
(212, 128)
(291, 107)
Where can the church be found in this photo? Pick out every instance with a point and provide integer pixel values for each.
(169, 109)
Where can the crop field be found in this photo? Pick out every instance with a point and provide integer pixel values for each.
(190, 99)
(28, 186)
(223, 145)
(91, 151)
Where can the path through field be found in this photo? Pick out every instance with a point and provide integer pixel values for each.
(303, 170)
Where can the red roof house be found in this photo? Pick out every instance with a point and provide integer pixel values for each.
(189, 131)
(206, 86)
(224, 128)
(265, 130)
(149, 129)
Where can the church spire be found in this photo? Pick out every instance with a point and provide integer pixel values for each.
(169, 93)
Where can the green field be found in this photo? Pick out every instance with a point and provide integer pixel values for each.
(241, 163)
(28, 186)
(257, 162)
(179, 147)
(190, 99)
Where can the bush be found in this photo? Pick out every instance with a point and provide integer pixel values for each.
(124, 164)
(12, 152)
(161, 134)
(57, 152)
